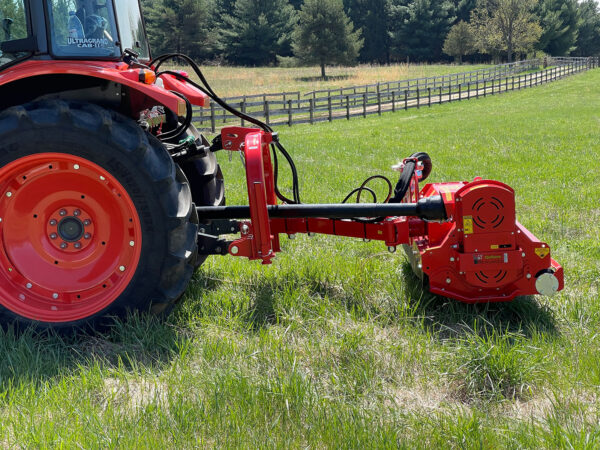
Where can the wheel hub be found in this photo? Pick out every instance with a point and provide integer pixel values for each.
(70, 237)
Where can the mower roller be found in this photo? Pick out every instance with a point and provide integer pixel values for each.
(110, 198)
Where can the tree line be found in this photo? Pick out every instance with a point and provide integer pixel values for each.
(324, 32)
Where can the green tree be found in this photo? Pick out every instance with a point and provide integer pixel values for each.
(460, 41)
(463, 8)
(182, 26)
(505, 26)
(258, 31)
(420, 27)
(371, 18)
(325, 35)
(588, 39)
(559, 21)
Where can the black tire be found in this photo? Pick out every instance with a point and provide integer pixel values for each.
(157, 188)
(207, 185)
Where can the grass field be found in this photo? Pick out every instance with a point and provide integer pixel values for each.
(233, 81)
(336, 345)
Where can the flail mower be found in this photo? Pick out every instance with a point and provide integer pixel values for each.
(110, 198)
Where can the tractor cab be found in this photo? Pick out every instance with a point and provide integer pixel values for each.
(70, 29)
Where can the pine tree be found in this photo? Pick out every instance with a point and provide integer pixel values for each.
(258, 31)
(558, 19)
(420, 27)
(182, 26)
(588, 39)
(325, 35)
(463, 8)
(460, 41)
(371, 18)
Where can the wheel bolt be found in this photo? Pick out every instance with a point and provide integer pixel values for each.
(63, 212)
(76, 167)
(131, 243)
(87, 236)
(53, 236)
(122, 268)
(76, 212)
(77, 245)
(87, 222)
(29, 285)
(53, 223)
(9, 194)
(64, 245)
(55, 296)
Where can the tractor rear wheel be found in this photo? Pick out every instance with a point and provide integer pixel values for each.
(95, 218)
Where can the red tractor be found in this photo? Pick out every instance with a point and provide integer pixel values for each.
(110, 198)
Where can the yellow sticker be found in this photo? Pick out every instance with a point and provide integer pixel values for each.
(448, 196)
(542, 252)
(468, 224)
(494, 247)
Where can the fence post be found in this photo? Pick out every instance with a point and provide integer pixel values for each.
(493, 83)
(418, 97)
(213, 127)
(429, 97)
(485, 88)
(311, 109)
(393, 101)
(405, 99)
(378, 100)
(440, 96)
(477, 88)
(364, 104)
(348, 107)
(460, 92)
(267, 114)
(243, 110)
(329, 108)
(289, 113)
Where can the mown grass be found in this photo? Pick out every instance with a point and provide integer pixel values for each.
(336, 344)
(234, 81)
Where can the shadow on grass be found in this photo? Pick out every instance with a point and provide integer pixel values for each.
(36, 357)
(447, 318)
(319, 78)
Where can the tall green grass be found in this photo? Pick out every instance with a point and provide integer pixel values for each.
(336, 344)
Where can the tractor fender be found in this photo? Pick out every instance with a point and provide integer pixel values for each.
(35, 78)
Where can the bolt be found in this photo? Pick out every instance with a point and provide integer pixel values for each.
(29, 285)
(291, 236)
(64, 245)
(448, 281)
(528, 276)
(53, 223)
(392, 249)
(476, 250)
(55, 296)
(76, 167)
(87, 222)
(76, 212)
(63, 212)
(523, 254)
(131, 243)
(233, 229)
(9, 194)
(77, 245)
(102, 178)
(88, 235)
(452, 259)
(53, 236)
(122, 268)
(245, 229)
(234, 250)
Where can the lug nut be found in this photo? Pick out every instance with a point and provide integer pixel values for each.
(63, 212)
(53, 236)
(87, 222)
(122, 268)
(88, 235)
(77, 245)
(64, 245)
(53, 223)
(76, 212)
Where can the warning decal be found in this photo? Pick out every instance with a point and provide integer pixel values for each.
(542, 252)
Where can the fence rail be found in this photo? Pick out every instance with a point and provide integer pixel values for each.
(289, 108)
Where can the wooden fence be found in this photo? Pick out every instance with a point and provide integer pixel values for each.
(288, 108)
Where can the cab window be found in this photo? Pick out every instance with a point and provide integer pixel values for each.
(131, 27)
(83, 28)
(13, 26)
